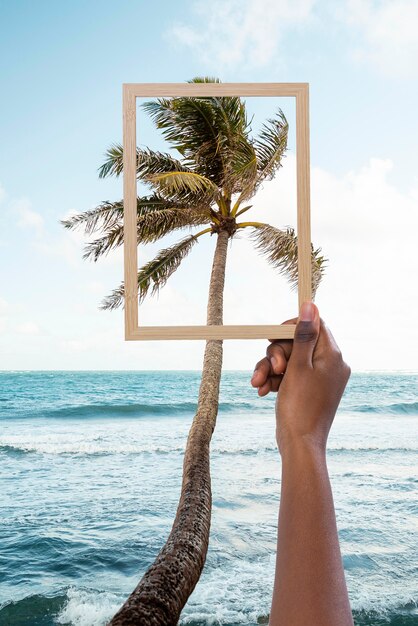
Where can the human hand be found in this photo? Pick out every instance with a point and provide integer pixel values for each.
(310, 375)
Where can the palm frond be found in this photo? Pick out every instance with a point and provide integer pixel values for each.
(189, 125)
(281, 249)
(103, 245)
(147, 162)
(154, 274)
(186, 123)
(185, 183)
(113, 166)
(205, 130)
(156, 217)
(269, 148)
(181, 201)
(103, 216)
(156, 202)
(242, 166)
(153, 226)
(108, 214)
(150, 162)
(270, 145)
(204, 79)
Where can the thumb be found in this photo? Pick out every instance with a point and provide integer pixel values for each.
(306, 335)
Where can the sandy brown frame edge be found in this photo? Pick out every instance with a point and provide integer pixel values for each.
(131, 91)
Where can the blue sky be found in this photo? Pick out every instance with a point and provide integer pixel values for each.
(62, 67)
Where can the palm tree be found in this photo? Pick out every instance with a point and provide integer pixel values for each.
(219, 169)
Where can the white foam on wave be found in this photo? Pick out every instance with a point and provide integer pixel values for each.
(371, 600)
(88, 607)
(222, 596)
(235, 594)
(232, 436)
(59, 444)
(85, 447)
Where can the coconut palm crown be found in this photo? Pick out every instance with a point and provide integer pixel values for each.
(219, 169)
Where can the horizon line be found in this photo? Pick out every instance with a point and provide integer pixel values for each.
(357, 371)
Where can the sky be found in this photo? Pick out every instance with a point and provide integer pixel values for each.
(62, 68)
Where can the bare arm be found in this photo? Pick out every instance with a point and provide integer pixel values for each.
(310, 376)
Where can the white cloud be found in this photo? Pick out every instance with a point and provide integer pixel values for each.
(388, 34)
(27, 217)
(241, 31)
(4, 310)
(74, 345)
(250, 33)
(8, 316)
(106, 349)
(66, 247)
(367, 229)
(69, 246)
(365, 226)
(2, 193)
(4, 306)
(28, 328)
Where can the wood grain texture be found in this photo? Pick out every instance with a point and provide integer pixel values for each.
(303, 196)
(129, 212)
(131, 91)
(280, 331)
(140, 90)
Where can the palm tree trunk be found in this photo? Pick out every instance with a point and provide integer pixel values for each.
(166, 586)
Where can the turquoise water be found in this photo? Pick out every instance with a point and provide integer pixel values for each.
(90, 478)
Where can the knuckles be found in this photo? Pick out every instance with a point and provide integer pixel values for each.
(336, 355)
(337, 358)
(347, 370)
(275, 349)
(338, 361)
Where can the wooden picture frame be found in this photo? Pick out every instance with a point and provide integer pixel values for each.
(131, 91)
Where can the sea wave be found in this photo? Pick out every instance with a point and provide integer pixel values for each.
(72, 607)
(397, 408)
(148, 410)
(105, 448)
(136, 410)
(86, 448)
(89, 607)
(35, 608)
(115, 410)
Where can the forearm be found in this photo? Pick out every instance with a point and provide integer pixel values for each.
(310, 586)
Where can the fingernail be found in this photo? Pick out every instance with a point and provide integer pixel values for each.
(253, 376)
(307, 312)
(273, 362)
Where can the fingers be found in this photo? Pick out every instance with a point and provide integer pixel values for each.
(278, 354)
(279, 351)
(268, 372)
(306, 335)
(264, 378)
(272, 384)
(311, 336)
(261, 372)
(313, 342)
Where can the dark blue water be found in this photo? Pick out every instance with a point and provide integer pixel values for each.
(90, 478)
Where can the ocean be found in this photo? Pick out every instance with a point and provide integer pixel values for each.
(90, 478)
